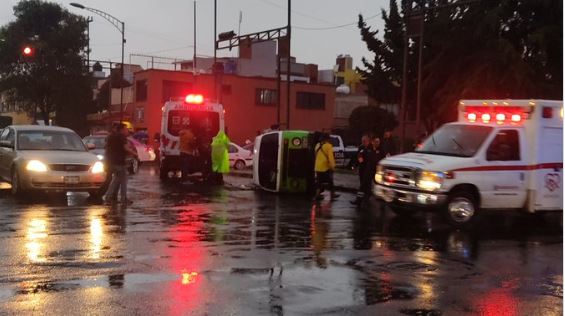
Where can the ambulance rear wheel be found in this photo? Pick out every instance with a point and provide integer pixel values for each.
(461, 208)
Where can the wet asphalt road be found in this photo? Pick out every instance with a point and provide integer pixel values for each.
(197, 250)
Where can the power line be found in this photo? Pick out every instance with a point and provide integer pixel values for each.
(334, 27)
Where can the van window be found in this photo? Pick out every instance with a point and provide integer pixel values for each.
(504, 147)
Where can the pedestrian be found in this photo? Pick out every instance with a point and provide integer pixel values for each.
(220, 157)
(324, 167)
(362, 163)
(388, 146)
(117, 148)
(187, 146)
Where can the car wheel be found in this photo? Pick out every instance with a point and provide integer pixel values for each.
(461, 208)
(402, 211)
(133, 167)
(16, 184)
(239, 165)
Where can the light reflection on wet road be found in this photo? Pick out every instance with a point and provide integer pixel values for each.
(233, 251)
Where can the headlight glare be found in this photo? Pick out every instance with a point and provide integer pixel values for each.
(379, 174)
(100, 157)
(36, 166)
(98, 167)
(430, 180)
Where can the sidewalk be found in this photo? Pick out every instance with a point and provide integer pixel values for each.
(344, 180)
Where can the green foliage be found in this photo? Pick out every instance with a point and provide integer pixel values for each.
(371, 120)
(476, 50)
(53, 79)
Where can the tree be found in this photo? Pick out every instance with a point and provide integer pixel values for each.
(472, 50)
(372, 120)
(53, 79)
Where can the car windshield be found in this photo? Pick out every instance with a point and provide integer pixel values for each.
(456, 140)
(49, 140)
(98, 142)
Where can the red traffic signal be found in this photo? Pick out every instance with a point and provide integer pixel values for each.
(28, 51)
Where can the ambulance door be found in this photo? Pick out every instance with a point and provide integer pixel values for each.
(504, 177)
(548, 172)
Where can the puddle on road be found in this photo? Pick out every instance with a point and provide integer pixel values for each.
(421, 312)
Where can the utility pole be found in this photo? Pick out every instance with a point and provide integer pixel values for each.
(194, 43)
(214, 68)
(288, 68)
(88, 21)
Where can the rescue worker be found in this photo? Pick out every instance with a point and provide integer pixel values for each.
(220, 157)
(187, 146)
(388, 146)
(324, 167)
(362, 163)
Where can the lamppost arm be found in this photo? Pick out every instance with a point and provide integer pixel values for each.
(108, 17)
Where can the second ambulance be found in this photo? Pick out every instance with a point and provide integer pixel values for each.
(500, 154)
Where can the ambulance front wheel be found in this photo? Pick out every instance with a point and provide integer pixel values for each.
(461, 208)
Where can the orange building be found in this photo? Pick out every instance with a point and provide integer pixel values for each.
(250, 103)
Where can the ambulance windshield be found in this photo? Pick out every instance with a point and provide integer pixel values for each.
(456, 140)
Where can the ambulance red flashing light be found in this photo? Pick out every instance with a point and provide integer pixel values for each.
(194, 99)
(500, 114)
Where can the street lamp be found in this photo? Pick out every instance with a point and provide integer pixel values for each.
(121, 27)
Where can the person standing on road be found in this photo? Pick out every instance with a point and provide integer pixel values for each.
(220, 157)
(362, 163)
(388, 146)
(324, 167)
(187, 146)
(117, 148)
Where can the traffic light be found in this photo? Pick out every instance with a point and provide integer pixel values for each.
(27, 51)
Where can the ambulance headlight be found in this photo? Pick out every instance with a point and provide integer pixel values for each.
(430, 180)
(379, 174)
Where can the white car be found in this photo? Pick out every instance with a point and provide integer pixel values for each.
(144, 153)
(240, 158)
(48, 158)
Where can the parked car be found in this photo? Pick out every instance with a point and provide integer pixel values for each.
(240, 158)
(144, 153)
(48, 158)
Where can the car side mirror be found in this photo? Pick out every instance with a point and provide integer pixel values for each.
(6, 144)
(90, 146)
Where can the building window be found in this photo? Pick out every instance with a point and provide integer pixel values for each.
(175, 89)
(141, 90)
(139, 114)
(226, 89)
(266, 97)
(310, 100)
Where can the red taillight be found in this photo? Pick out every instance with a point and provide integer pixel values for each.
(516, 118)
(472, 117)
(194, 99)
(547, 112)
(485, 117)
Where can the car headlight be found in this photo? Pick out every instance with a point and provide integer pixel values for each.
(430, 180)
(100, 157)
(36, 166)
(98, 167)
(379, 174)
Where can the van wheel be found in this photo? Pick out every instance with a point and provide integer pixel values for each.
(239, 165)
(402, 211)
(461, 208)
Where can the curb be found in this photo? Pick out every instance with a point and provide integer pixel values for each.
(250, 176)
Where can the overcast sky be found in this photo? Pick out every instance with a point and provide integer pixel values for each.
(165, 27)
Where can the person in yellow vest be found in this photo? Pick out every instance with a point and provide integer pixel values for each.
(324, 167)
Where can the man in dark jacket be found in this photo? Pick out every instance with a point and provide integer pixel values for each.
(117, 148)
(362, 163)
(388, 146)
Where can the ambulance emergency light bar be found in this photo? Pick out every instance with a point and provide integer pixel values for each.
(496, 112)
(194, 99)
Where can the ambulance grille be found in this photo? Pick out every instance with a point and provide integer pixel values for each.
(403, 177)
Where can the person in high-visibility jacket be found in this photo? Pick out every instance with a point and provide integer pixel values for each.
(324, 167)
(220, 156)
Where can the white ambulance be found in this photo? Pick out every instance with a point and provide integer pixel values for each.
(202, 117)
(500, 154)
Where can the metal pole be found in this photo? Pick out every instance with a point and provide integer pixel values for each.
(279, 87)
(288, 68)
(419, 97)
(403, 96)
(215, 47)
(122, 76)
(194, 43)
(88, 21)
